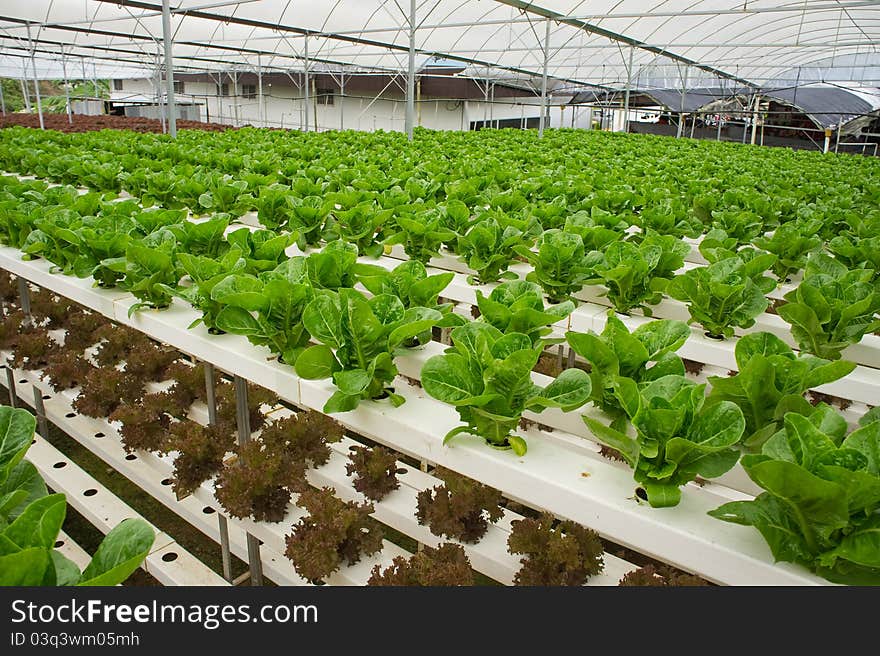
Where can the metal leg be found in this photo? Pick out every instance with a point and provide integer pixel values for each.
(560, 354)
(10, 384)
(24, 294)
(570, 358)
(40, 411)
(244, 435)
(225, 554)
(210, 390)
(224, 547)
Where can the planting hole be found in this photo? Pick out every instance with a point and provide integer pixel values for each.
(90, 492)
(401, 470)
(641, 494)
(166, 481)
(169, 557)
(208, 510)
(58, 543)
(717, 338)
(46, 397)
(59, 465)
(23, 380)
(70, 415)
(99, 434)
(131, 456)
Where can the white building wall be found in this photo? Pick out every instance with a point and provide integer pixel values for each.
(283, 107)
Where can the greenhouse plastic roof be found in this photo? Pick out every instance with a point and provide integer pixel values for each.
(590, 42)
(828, 106)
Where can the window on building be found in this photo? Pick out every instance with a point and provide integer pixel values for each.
(178, 86)
(223, 89)
(325, 97)
(249, 90)
(117, 85)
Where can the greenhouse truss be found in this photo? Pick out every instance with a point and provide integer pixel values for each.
(445, 356)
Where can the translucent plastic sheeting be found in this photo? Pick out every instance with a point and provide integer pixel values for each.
(748, 42)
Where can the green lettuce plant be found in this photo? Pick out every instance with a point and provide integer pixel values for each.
(832, 308)
(677, 436)
(821, 501)
(486, 375)
(771, 382)
(646, 354)
(358, 338)
(31, 519)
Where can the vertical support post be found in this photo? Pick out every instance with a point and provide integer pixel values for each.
(66, 88)
(827, 147)
(210, 395)
(628, 87)
(2, 101)
(158, 81)
(684, 81)
(235, 98)
(306, 83)
(486, 104)
(10, 385)
(755, 119)
(24, 297)
(411, 73)
(315, 102)
(40, 412)
(837, 141)
(95, 82)
(167, 41)
(24, 90)
(492, 106)
(543, 118)
(261, 105)
(342, 101)
(36, 79)
(244, 435)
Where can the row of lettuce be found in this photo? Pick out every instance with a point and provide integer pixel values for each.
(834, 306)
(821, 505)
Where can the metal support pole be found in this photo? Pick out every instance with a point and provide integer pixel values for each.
(260, 103)
(342, 101)
(36, 79)
(40, 412)
(167, 41)
(315, 103)
(684, 82)
(10, 385)
(544, 80)
(755, 119)
(210, 395)
(95, 82)
(628, 86)
(492, 106)
(411, 74)
(827, 147)
(24, 90)
(24, 297)
(66, 89)
(306, 82)
(486, 104)
(244, 435)
(2, 101)
(837, 141)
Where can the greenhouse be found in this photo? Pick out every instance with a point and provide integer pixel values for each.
(439, 293)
